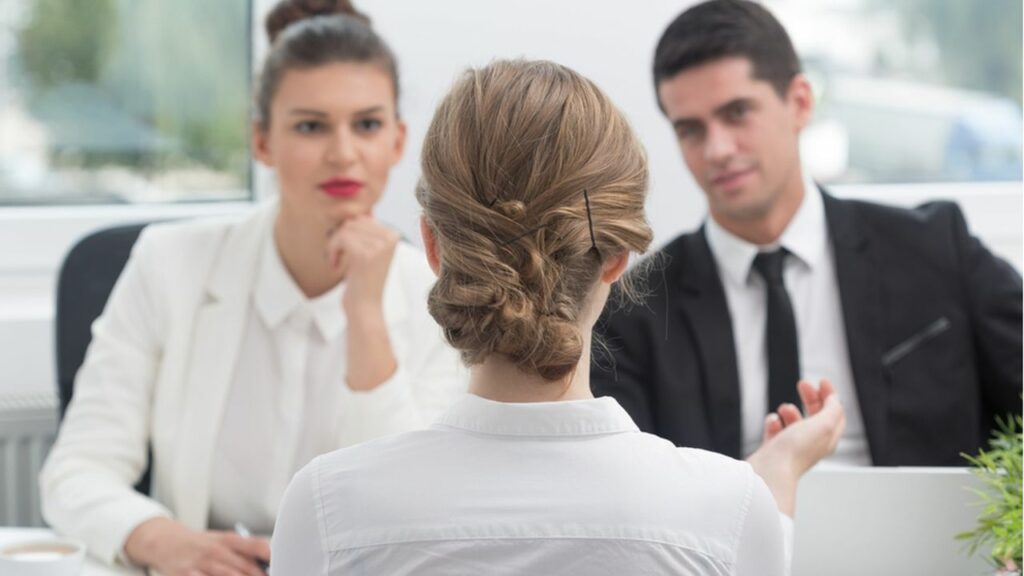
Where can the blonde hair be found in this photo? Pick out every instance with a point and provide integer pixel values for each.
(531, 179)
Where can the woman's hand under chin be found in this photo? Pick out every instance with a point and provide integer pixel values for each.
(362, 248)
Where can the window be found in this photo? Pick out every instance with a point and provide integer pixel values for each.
(911, 90)
(123, 101)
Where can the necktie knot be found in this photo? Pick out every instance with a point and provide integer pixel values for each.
(769, 265)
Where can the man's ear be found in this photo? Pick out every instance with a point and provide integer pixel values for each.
(430, 245)
(800, 96)
(613, 268)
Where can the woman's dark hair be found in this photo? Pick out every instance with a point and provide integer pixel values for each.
(723, 28)
(309, 33)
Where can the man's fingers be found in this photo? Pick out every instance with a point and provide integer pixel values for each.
(772, 426)
(808, 396)
(825, 389)
(789, 414)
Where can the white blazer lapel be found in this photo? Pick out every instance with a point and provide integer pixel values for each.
(216, 339)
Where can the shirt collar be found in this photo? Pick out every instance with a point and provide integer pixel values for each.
(564, 418)
(806, 237)
(277, 297)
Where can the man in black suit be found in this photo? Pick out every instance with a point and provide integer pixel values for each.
(915, 323)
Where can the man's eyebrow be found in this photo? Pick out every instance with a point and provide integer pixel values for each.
(742, 101)
(687, 121)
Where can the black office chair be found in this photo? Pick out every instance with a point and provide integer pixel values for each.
(86, 278)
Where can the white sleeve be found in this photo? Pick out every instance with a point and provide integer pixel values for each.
(429, 378)
(787, 540)
(761, 548)
(298, 546)
(101, 449)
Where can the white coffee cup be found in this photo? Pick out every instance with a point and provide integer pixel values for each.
(42, 557)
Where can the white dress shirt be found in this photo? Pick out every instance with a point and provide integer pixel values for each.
(810, 278)
(537, 488)
(282, 408)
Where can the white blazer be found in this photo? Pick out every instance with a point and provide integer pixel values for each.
(160, 365)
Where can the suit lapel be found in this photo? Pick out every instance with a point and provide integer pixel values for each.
(860, 293)
(216, 339)
(703, 305)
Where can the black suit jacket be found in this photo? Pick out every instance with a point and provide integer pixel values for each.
(933, 326)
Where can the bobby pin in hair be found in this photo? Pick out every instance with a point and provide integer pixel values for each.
(590, 223)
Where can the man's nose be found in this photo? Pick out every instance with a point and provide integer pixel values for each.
(720, 144)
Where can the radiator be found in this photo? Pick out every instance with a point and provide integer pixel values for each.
(28, 426)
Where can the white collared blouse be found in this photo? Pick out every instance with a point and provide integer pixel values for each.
(542, 488)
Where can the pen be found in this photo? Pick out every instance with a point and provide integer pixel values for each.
(243, 531)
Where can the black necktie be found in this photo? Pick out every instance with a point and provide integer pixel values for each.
(783, 354)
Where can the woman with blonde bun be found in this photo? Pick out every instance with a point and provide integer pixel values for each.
(533, 192)
(240, 349)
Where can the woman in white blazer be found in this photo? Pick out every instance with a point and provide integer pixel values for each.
(241, 348)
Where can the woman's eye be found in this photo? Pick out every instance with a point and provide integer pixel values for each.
(309, 127)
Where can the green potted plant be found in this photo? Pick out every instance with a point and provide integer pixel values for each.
(999, 522)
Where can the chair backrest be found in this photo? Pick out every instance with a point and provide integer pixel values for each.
(86, 278)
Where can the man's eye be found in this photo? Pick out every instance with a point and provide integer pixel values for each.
(687, 132)
(736, 113)
(368, 125)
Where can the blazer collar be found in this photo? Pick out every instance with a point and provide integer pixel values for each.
(213, 352)
(859, 276)
(844, 225)
(703, 307)
(235, 265)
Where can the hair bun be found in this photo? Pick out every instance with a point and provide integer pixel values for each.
(514, 210)
(288, 12)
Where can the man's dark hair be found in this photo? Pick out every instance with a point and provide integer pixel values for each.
(723, 28)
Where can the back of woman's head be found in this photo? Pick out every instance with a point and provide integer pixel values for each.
(531, 180)
(305, 34)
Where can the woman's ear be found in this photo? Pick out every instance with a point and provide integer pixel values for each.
(613, 268)
(430, 245)
(261, 144)
(399, 148)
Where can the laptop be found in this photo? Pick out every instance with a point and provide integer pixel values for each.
(880, 521)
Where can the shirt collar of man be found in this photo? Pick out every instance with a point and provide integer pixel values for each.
(806, 238)
(538, 419)
(277, 297)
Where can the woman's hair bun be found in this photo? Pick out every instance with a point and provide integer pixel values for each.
(288, 12)
(514, 210)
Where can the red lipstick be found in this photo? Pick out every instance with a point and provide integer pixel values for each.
(341, 187)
